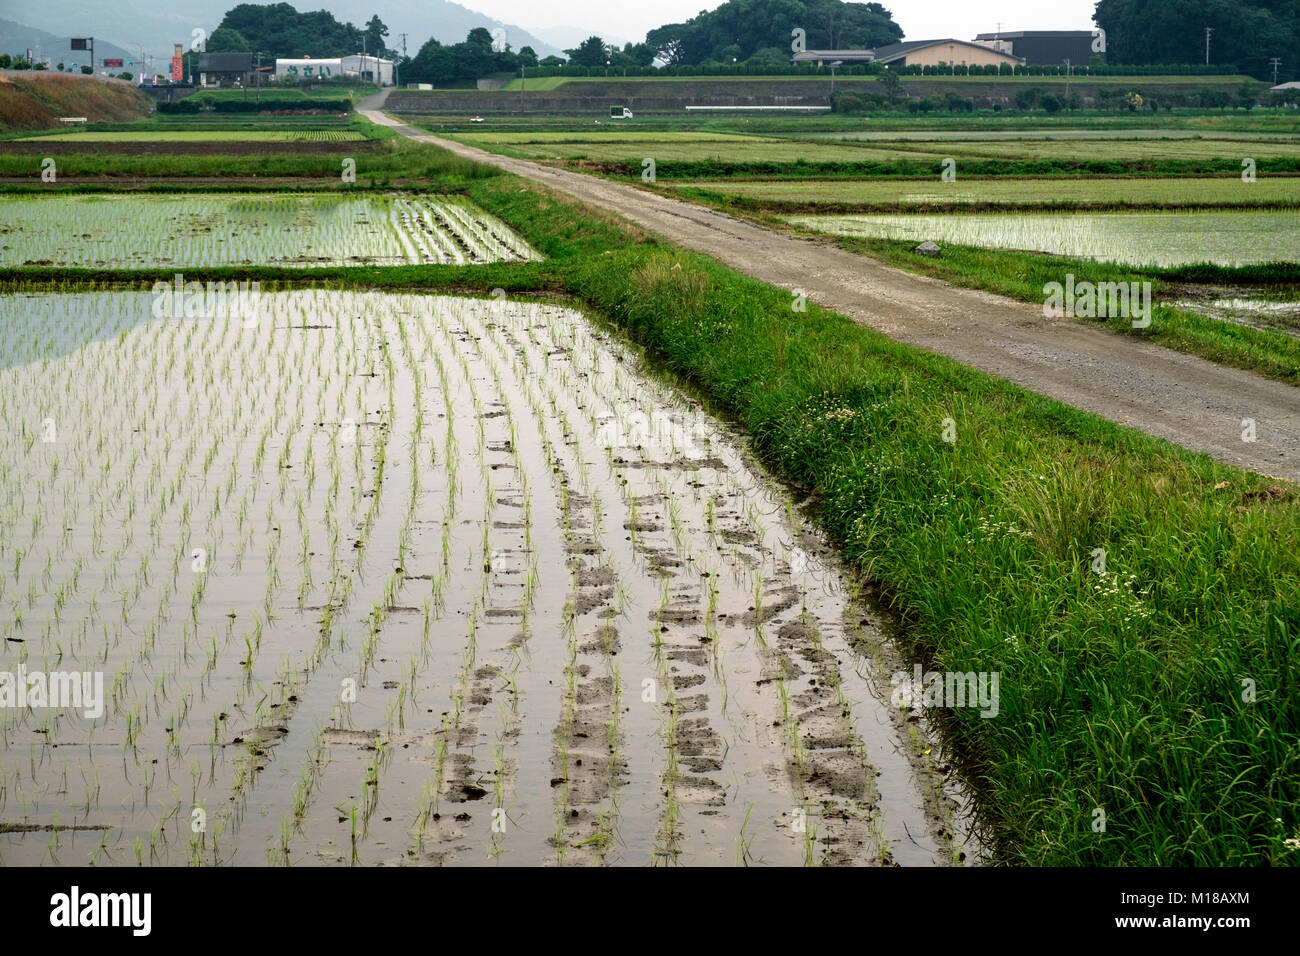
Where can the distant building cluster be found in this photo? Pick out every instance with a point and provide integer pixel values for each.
(242, 69)
(1020, 48)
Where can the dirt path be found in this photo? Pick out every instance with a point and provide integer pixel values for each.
(1183, 399)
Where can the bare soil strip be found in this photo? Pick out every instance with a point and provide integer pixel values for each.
(1182, 399)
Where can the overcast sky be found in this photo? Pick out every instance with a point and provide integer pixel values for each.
(920, 19)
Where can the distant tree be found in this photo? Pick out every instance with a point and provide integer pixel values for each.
(1157, 32)
(281, 31)
(528, 56)
(551, 61)
(892, 84)
(5, 61)
(752, 25)
(226, 40)
(375, 33)
(87, 70)
(459, 62)
(590, 52)
(667, 43)
(637, 54)
(60, 67)
(770, 58)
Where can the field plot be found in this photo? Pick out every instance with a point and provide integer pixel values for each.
(1118, 149)
(1048, 192)
(403, 579)
(203, 136)
(281, 229)
(1024, 135)
(687, 147)
(1169, 238)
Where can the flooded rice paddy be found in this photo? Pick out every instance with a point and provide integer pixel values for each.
(1165, 238)
(191, 231)
(400, 579)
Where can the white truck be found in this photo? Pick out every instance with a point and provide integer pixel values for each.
(620, 112)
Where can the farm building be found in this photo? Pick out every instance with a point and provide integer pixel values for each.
(226, 69)
(1043, 47)
(358, 65)
(947, 52)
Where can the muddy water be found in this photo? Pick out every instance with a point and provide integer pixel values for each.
(414, 580)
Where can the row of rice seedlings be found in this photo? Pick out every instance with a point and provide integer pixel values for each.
(161, 683)
(215, 230)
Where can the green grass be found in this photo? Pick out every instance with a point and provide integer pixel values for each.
(393, 161)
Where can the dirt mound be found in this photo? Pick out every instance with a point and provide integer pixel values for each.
(37, 100)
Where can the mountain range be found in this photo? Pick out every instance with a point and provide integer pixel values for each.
(15, 38)
(132, 23)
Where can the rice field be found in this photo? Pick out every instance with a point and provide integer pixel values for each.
(1048, 192)
(204, 136)
(632, 147)
(405, 579)
(1168, 238)
(121, 231)
(1119, 150)
(1026, 135)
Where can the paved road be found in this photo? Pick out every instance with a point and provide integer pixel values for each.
(1185, 400)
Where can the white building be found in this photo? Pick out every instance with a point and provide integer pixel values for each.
(360, 66)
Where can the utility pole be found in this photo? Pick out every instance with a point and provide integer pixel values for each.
(397, 67)
(1275, 62)
(1067, 83)
(523, 81)
(1208, 31)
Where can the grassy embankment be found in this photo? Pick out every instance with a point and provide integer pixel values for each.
(1122, 692)
(36, 100)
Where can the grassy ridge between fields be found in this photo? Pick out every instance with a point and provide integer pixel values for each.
(1121, 692)
(1163, 692)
